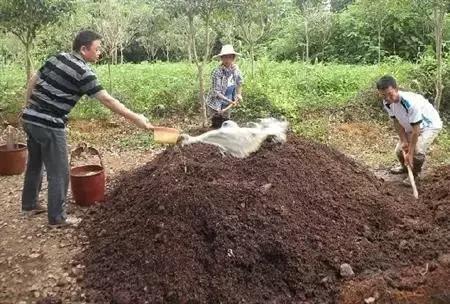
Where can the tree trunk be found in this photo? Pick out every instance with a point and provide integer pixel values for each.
(28, 63)
(192, 38)
(110, 78)
(121, 55)
(307, 39)
(439, 19)
(154, 52)
(252, 58)
(200, 65)
(167, 54)
(379, 45)
(189, 52)
(201, 93)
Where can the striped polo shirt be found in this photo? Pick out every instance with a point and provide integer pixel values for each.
(61, 82)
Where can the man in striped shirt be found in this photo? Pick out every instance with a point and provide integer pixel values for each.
(51, 94)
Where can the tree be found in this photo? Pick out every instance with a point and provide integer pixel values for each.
(339, 5)
(10, 49)
(117, 25)
(59, 37)
(253, 20)
(150, 28)
(200, 15)
(25, 18)
(376, 14)
(439, 17)
(437, 12)
(309, 8)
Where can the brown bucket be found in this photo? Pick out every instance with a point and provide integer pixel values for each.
(87, 181)
(13, 159)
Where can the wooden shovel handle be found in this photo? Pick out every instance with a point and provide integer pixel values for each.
(413, 183)
(411, 178)
(229, 106)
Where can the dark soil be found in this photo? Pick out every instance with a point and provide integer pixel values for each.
(436, 195)
(193, 226)
(49, 300)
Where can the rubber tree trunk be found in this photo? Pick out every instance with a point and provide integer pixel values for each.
(201, 93)
(109, 75)
(189, 52)
(28, 63)
(439, 19)
(307, 39)
(252, 57)
(379, 46)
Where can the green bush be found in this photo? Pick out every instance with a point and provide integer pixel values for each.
(163, 90)
(12, 88)
(256, 104)
(422, 79)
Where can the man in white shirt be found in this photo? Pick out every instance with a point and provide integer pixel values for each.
(416, 121)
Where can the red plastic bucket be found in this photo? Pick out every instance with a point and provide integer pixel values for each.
(13, 161)
(87, 181)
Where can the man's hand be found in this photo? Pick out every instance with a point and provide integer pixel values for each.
(405, 147)
(408, 159)
(238, 98)
(143, 122)
(114, 105)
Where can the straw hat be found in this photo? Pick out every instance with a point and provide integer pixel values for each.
(227, 49)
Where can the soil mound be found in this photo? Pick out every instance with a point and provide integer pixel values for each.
(193, 226)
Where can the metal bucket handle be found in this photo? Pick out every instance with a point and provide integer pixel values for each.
(11, 135)
(83, 147)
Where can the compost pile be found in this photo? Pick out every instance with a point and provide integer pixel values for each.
(193, 226)
(437, 195)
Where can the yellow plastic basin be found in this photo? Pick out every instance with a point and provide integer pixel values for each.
(164, 135)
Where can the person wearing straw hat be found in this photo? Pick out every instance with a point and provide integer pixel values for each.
(226, 87)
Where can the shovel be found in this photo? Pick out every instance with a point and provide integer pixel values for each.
(232, 104)
(164, 135)
(411, 178)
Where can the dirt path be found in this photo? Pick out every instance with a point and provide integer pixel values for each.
(35, 261)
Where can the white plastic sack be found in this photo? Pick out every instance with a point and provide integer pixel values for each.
(241, 142)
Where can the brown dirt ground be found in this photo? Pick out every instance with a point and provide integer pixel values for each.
(42, 265)
(36, 262)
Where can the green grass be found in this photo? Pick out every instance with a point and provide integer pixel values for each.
(140, 140)
(312, 97)
(162, 90)
(12, 88)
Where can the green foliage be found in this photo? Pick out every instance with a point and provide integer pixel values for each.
(404, 31)
(282, 30)
(164, 90)
(315, 128)
(140, 140)
(24, 18)
(12, 80)
(256, 104)
(58, 37)
(339, 5)
(422, 79)
(159, 90)
(10, 49)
